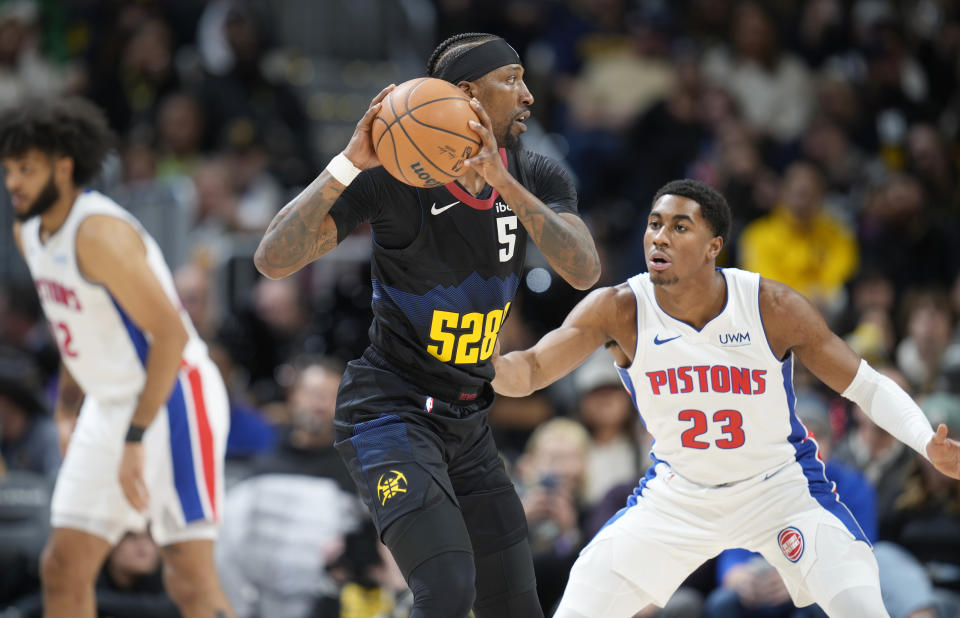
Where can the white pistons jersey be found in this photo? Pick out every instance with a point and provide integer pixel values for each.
(102, 347)
(717, 401)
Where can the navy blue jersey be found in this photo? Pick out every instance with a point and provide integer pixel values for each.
(445, 265)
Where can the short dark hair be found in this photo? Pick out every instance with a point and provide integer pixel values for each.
(71, 127)
(713, 206)
(454, 47)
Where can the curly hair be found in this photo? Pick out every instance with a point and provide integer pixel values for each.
(453, 47)
(71, 127)
(713, 206)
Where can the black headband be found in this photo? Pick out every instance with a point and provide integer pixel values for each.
(480, 60)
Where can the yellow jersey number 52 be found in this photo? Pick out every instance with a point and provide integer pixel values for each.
(465, 338)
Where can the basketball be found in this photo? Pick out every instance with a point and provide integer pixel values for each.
(422, 134)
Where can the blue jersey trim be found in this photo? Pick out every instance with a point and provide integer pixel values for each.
(473, 294)
(137, 337)
(631, 390)
(807, 453)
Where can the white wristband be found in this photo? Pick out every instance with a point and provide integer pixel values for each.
(342, 170)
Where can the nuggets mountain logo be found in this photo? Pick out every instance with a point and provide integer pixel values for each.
(391, 484)
(791, 543)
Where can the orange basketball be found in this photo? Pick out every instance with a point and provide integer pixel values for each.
(421, 133)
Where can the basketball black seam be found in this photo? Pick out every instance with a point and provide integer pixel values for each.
(424, 155)
(430, 126)
(396, 120)
(389, 128)
(410, 139)
(409, 112)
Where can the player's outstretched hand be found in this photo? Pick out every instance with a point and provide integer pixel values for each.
(360, 148)
(944, 453)
(487, 161)
(131, 476)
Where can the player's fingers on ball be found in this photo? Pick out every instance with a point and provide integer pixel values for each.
(481, 113)
(486, 136)
(382, 94)
(370, 113)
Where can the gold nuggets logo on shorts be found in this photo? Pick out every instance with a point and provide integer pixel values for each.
(391, 484)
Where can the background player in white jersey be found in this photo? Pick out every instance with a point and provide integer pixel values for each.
(150, 438)
(707, 354)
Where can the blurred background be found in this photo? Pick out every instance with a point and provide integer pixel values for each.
(832, 127)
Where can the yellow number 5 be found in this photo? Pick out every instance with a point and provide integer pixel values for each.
(442, 320)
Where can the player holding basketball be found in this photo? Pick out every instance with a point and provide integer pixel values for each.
(412, 411)
(151, 434)
(707, 355)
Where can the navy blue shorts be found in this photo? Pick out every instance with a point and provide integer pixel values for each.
(397, 439)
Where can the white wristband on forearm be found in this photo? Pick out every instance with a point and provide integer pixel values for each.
(342, 170)
(890, 407)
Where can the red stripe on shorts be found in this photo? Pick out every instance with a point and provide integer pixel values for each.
(206, 437)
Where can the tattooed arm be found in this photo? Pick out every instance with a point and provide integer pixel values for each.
(563, 238)
(304, 230)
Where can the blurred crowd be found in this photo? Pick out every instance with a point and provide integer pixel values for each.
(832, 127)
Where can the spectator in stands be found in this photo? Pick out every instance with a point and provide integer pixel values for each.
(551, 481)
(772, 86)
(800, 244)
(162, 205)
(616, 454)
(180, 130)
(131, 582)
(194, 287)
(924, 518)
(25, 71)
(285, 525)
(898, 230)
(275, 326)
(22, 327)
(139, 76)
(880, 457)
(371, 582)
(929, 352)
(28, 435)
(305, 444)
(247, 92)
(868, 318)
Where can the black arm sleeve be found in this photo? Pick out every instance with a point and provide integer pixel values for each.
(376, 197)
(551, 183)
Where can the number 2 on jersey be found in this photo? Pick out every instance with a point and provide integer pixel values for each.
(732, 426)
(460, 333)
(64, 338)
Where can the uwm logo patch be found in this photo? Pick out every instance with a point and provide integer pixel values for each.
(791, 543)
(733, 340)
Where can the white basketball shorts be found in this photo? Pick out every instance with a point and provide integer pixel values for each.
(184, 448)
(647, 550)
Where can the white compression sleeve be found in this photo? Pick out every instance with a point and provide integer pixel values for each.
(890, 407)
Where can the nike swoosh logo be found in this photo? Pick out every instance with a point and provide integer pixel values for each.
(436, 211)
(658, 341)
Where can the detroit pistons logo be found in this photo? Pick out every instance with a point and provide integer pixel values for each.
(428, 405)
(791, 543)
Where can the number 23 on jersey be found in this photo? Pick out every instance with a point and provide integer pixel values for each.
(465, 338)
